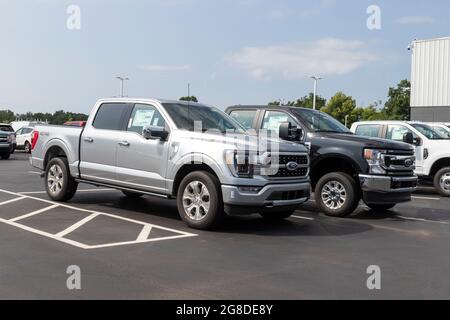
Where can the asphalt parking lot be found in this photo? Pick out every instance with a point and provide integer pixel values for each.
(140, 249)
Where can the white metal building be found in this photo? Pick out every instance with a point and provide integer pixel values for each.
(430, 80)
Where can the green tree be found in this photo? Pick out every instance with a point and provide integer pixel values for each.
(308, 102)
(191, 98)
(304, 102)
(398, 105)
(340, 106)
(6, 116)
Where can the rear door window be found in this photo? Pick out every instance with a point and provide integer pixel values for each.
(110, 116)
(245, 117)
(369, 130)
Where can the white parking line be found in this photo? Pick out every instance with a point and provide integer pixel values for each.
(142, 238)
(12, 200)
(34, 213)
(425, 198)
(77, 225)
(421, 220)
(303, 218)
(144, 233)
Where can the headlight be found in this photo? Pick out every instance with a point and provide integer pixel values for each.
(375, 159)
(9, 139)
(240, 164)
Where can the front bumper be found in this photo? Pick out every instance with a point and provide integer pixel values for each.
(387, 190)
(385, 184)
(5, 147)
(273, 195)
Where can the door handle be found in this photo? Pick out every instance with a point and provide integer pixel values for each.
(90, 140)
(124, 144)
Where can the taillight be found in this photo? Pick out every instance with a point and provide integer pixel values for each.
(34, 139)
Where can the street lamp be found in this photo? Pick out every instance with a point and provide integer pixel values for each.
(122, 80)
(316, 80)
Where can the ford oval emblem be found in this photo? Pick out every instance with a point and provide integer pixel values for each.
(292, 166)
(409, 163)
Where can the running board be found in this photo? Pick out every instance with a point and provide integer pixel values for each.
(101, 184)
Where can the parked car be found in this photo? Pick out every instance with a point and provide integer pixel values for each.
(151, 147)
(432, 149)
(8, 128)
(6, 145)
(344, 168)
(441, 128)
(75, 123)
(24, 138)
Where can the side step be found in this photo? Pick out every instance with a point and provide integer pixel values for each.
(100, 184)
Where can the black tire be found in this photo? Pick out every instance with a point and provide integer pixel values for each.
(442, 182)
(27, 147)
(352, 195)
(215, 214)
(132, 195)
(277, 216)
(68, 185)
(381, 207)
(5, 156)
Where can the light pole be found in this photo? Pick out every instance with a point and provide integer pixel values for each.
(316, 80)
(346, 120)
(122, 80)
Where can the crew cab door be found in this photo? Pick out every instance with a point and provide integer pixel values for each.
(99, 142)
(142, 163)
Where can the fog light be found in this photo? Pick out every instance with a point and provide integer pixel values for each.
(250, 189)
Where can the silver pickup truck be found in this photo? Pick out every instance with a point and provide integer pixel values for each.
(190, 152)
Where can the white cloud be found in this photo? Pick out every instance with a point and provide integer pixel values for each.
(164, 68)
(416, 20)
(325, 57)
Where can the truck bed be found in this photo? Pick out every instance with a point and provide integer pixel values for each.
(65, 137)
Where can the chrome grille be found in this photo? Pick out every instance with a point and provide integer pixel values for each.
(291, 166)
(399, 163)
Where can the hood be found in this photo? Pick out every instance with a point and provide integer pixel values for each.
(246, 141)
(365, 142)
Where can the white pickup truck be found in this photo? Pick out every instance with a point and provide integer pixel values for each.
(432, 148)
(185, 151)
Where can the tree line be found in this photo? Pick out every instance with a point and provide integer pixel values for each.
(57, 118)
(342, 106)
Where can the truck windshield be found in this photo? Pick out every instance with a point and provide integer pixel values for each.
(320, 122)
(211, 119)
(5, 128)
(428, 131)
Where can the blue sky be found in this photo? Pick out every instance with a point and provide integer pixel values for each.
(231, 51)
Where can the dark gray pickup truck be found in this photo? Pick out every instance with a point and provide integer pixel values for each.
(345, 168)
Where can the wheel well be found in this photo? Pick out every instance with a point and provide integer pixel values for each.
(187, 169)
(438, 165)
(54, 152)
(333, 164)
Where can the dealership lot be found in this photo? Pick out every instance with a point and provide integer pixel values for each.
(141, 249)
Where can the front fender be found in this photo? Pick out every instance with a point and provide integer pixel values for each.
(195, 158)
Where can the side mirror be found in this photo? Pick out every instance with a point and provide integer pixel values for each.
(155, 133)
(285, 130)
(289, 132)
(417, 141)
(408, 138)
